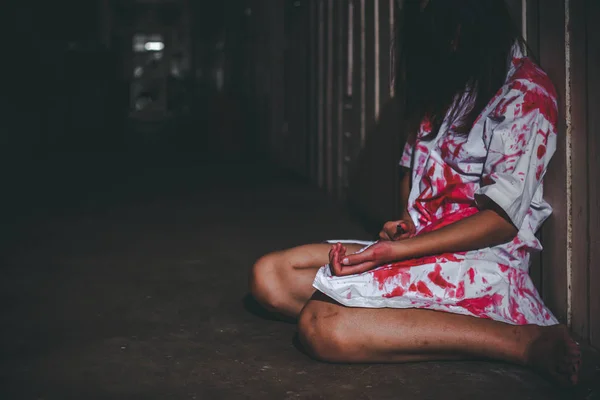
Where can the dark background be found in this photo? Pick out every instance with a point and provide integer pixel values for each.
(285, 113)
(67, 120)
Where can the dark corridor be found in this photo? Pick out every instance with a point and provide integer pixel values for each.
(151, 150)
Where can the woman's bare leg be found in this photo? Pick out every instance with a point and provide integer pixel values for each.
(335, 333)
(282, 281)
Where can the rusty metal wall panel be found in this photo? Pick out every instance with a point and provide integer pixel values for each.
(260, 58)
(333, 94)
(570, 288)
(531, 34)
(276, 13)
(394, 29)
(321, 93)
(593, 125)
(311, 101)
(340, 11)
(525, 13)
(329, 99)
(354, 92)
(578, 131)
(390, 108)
(362, 59)
(293, 136)
(383, 57)
(370, 71)
(348, 128)
(552, 59)
(545, 35)
(383, 146)
(373, 182)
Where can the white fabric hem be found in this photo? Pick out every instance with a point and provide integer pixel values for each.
(350, 241)
(404, 303)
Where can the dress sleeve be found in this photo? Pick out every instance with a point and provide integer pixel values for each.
(406, 159)
(520, 148)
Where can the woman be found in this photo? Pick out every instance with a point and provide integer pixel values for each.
(450, 280)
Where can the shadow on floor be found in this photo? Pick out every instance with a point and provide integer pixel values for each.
(253, 307)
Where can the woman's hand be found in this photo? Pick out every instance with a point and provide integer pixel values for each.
(398, 230)
(485, 228)
(378, 254)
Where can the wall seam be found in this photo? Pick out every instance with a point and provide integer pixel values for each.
(524, 20)
(569, 161)
(320, 94)
(377, 71)
(329, 101)
(363, 76)
(392, 50)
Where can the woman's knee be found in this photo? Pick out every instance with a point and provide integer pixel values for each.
(263, 282)
(321, 332)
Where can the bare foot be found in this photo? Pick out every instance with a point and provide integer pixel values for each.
(555, 354)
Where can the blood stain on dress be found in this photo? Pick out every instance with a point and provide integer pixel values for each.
(539, 172)
(535, 99)
(503, 106)
(478, 306)
(384, 274)
(541, 151)
(423, 289)
(515, 313)
(524, 292)
(436, 277)
(398, 291)
(522, 140)
(472, 275)
(381, 275)
(460, 292)
(544, 133)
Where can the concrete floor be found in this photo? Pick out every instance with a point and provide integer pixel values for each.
(138, 291)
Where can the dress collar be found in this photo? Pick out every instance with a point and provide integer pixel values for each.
(517, 57)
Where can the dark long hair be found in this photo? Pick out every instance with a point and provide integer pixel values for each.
(450, 49)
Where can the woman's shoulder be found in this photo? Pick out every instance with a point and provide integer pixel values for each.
(528, 76)
(527, 89)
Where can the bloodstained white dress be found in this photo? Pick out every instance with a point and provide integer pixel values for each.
(504, 157)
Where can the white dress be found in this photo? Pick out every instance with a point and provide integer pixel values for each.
(504, 157)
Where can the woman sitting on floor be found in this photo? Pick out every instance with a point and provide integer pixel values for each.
(450, 279)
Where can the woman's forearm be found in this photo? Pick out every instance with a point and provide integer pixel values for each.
(484, 229)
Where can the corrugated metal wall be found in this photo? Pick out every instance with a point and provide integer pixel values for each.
(351, 85)
(340, 125)
(566, 42)
(324, 84)
(583, 106)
